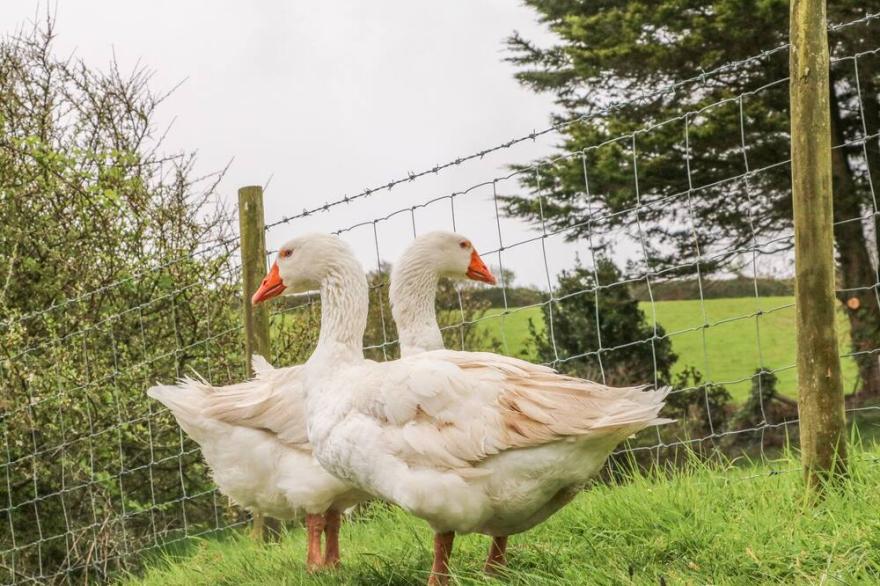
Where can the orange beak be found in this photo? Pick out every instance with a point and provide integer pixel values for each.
(478, 271)
(272, 286)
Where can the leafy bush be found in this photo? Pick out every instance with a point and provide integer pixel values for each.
(596, 330)
(699, 407)
(115, 273)
(764, 405)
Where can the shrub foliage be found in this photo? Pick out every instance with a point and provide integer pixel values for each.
(115, 272)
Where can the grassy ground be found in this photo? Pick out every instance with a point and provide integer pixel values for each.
(736, 343)
(707, 524)
(512, 329)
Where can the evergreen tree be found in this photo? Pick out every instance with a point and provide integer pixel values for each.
(692, 147)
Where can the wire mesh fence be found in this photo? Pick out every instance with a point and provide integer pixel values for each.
(95, 475)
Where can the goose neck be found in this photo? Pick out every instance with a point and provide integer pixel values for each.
(344, 305)
(413, 293)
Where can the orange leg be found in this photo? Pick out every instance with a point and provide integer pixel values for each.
(497, 555)
(314, 529)
(442, 551)
(332, 521)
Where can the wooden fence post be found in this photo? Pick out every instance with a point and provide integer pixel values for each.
(253, 269)
(256, 320)
(820, 402)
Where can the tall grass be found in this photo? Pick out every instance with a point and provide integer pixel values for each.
(708, 523)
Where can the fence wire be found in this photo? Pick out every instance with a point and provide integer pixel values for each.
(95, 476)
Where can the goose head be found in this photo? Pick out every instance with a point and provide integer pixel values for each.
(413, 288)
(304, 264)
(448, 254)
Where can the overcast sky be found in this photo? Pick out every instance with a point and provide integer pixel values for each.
(328, 98)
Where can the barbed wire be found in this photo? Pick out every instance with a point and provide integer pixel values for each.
(555, 128)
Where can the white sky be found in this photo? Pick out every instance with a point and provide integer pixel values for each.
(328, 98)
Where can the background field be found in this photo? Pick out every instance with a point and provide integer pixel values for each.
(745, 333)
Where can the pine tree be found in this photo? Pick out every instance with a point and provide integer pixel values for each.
(695, 200)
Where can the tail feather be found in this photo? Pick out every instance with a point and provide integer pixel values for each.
(261, 366)
(641, 409)
(185, 398)
(185, 401)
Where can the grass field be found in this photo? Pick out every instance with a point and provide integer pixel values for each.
(733, 346)
(704, 525)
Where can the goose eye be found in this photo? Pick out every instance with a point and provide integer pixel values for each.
(464, 244)
(284, 253)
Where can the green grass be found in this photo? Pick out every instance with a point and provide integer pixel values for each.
(733, 346)
(715, 524)
(512, 329)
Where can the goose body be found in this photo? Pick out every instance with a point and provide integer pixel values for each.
(470, 441)
(261, 471)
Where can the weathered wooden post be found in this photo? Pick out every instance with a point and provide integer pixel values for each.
(820, 403)
(256, 320)
(253, 269)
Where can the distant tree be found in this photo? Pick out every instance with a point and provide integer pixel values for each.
(506, 277)
(596, 308)
(610, 50)
(739, 286)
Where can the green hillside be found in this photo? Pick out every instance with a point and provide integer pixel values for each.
(737, 342)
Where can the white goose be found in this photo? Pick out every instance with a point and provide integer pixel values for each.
(253, 434)
(468, 441)
(264, 472)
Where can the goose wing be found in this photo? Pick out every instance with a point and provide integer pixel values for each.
(453, 409)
